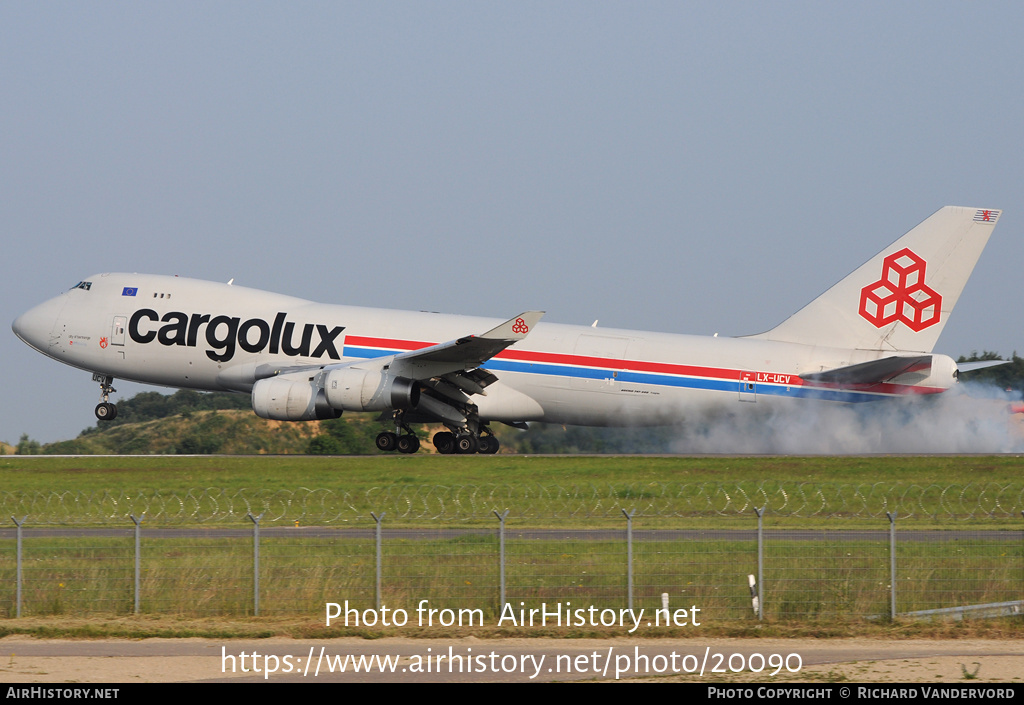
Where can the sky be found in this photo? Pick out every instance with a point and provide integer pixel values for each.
(689, 167)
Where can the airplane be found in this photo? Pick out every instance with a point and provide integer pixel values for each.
(867, 338)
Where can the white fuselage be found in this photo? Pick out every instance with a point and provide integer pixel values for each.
(187, 333)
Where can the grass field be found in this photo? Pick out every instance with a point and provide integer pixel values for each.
(666, 492)
(818, 584)
(176, 473)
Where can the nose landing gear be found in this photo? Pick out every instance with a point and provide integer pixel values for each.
(105, 411)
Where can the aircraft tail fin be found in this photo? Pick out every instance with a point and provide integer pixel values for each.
(901, 298)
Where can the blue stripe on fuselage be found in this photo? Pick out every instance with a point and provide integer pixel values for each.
(650, 378)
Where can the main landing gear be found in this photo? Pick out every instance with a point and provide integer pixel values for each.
(475, 437)
(105, 410)
(406, 442)
(448, 443)
(445, 442)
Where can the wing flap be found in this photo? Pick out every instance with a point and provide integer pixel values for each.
(471, 382)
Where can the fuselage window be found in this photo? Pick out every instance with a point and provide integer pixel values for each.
(83, 285)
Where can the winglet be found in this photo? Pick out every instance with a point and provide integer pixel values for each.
(515, 328)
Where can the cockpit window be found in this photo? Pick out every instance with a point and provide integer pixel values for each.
(83, 285)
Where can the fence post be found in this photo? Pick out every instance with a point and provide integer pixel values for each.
(255, 562)
(501, 556)
(892, 564)
(760, 562)
(138, 555)
(629, 557)
(17, 603)
(378, 519)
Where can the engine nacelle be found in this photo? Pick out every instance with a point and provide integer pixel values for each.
(288, 400)
(369, 390)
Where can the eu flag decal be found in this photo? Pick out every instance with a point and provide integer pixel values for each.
(130, 291)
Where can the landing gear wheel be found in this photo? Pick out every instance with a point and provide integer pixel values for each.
(489, 445)
(466, 444)
(444, 441)
(105, 411)
(408, 444)
(386, 441)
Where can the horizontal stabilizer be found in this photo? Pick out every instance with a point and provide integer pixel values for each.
(872, 372)
(980, 364)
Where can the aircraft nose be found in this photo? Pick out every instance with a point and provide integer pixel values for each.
(35, 325)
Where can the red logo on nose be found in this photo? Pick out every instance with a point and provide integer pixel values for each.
(901, 294)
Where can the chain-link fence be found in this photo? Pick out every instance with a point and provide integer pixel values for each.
(249, 567)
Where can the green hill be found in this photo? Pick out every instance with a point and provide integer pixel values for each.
(188, 422)
(191, 432)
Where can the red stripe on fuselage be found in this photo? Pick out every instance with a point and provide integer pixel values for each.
(654, 367)
(566, 359)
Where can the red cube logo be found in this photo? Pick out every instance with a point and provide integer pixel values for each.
(901, 294)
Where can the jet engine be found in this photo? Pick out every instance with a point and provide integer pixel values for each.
(288, 400)
(369, 390)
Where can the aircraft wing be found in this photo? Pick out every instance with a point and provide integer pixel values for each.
(463, 354)
(872, 372)
(456, 363)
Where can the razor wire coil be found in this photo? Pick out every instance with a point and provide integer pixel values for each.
(970, 501)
